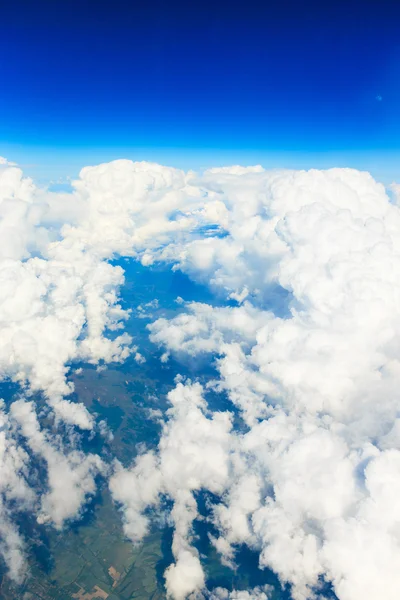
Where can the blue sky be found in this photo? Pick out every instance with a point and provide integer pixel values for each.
(195, 84)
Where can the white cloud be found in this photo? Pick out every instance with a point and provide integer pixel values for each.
(193, 455)
(58, 298)
(70, 475)
(312, 364)
(13, 488)
(258, 593)
(310, 358)
(70, 479)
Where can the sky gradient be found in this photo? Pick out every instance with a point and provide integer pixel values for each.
(193, 84)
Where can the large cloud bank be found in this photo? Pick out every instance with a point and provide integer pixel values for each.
(306, 347)
(310, 359)
(58, 300)
(59, 305)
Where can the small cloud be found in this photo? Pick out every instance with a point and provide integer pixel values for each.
(378, 98)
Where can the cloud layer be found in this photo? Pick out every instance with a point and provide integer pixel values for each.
(310, 358)
(59, 305)
(305, 340)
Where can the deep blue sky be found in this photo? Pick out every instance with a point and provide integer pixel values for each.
(195, 83)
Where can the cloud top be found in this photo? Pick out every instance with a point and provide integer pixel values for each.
(305, 340)
(309, 356)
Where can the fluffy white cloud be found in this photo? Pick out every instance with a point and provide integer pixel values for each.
(13, 489)
(311, 360)
(309, 357)
(50, 294)
(58, 292)
(58, 296)
(70, 475)
(69, 479)
(193, 455)
(59, 300)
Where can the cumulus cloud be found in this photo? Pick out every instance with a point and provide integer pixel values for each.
(59, 303)
(306, 266)
(204, 462)
(310, 358)
(50, 295)
(59, 292)
(70, 479)
(13, 489)
(70, 475)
